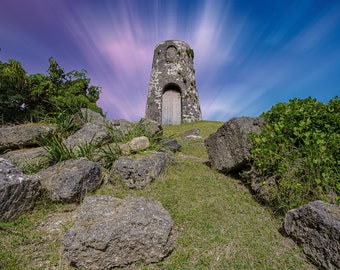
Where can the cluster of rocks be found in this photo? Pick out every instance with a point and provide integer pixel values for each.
(111, 232)
(315, 226)
(108, 232)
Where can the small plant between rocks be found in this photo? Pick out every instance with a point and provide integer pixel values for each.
(108, 151)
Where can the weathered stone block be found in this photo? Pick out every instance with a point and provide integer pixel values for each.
(17, 190)
(13, 137)
(23, 157)
(111, 232)
(70, 180)
(316, 226)
(229, 148)
(141, 170)
(90, 133)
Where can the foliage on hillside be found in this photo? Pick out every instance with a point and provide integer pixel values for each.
(33, 97)
(299, 148)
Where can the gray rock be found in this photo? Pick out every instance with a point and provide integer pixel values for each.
(90, 133)
(17, 191)
(27, 156)
(121, 125)
(87, 116)
(111, 232)
(70, 180)
(172, 144)
(124, 148)
(151, 127)
(316, 226)
(140, 170)
(13, 137)
(228, 148)
(91, 117)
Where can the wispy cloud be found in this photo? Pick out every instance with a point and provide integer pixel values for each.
(247, 56)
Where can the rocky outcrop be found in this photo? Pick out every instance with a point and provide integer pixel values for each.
(27, 156)
(140, 170)
(89, 116)
(17, 190)
(151, 127)
(14, 137)
(111, 232)
(90, 133)
(229, 148)
(69, 180)
(316, 226)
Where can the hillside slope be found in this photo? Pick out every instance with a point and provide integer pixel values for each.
(218, 225)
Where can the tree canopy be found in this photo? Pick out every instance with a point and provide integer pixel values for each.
(37, 96)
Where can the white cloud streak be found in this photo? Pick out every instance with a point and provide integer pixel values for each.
(243, 59)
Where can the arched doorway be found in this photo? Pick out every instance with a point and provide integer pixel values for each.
(171, 106)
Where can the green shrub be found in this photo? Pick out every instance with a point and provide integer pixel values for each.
(299, 147)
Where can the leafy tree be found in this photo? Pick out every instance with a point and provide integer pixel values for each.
(60, 91)
(36, 96)
(13, 91)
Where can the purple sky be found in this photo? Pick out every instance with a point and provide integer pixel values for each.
(249, 55)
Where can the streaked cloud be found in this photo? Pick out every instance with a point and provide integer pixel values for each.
(248, 55)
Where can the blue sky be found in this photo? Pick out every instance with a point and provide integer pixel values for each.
(249, 54)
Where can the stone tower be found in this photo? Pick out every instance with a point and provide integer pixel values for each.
(172, 97)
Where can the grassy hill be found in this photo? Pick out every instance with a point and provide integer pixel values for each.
(217, 223)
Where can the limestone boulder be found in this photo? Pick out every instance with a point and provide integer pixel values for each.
(140, 170)
(135, 145)
(316, 226)
(121, 126)
(111, 232)
(14, 137)
(17, 190)
(68, 181)
(90, 116)
(28, 156)
(229, 147)
(139, 144)
(89, 134)
(86, 115)
(151, 127)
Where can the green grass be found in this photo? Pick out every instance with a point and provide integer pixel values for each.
(217, 223)
(206, 128)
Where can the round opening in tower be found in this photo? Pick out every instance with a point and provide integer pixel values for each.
(171, 105)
